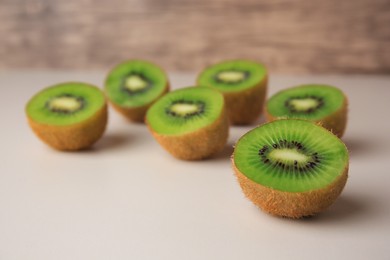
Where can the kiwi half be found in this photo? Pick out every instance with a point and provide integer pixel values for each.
(291, 167)
(68, 116)
(190, 123)
(322, 104)
(243, 84)
(133, 86)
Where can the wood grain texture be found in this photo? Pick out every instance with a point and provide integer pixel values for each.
(302, 36)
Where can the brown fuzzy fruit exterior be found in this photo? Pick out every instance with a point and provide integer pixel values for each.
(244, 107)
(199, 144)
(72, 137)
(291, 204)
(136, 114)
(335, 122)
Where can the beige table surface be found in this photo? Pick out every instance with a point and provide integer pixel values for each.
(128, 199)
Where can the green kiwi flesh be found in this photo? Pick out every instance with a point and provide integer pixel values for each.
(311, 102)
(65, 104)
(233, 75)
(185, 110)
(135, 83)
(322, 104)
(293, 158)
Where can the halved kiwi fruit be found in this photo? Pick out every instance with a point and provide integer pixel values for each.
(190, 123)
(133, 86)
(243, 83)
(68, 116)
(291, 167)
(322, 104)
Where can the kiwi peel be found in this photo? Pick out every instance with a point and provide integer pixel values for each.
(133, 86)
(68, 116)
(322, 104)
(243, 84)
(190, 123)
(290, 167)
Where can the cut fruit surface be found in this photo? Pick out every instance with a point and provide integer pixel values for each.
(312, 102)
(135, 83)
(291, 156)
(233, 76)
(185, 110)
(65, 104)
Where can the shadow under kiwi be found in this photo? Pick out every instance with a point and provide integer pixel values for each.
(225, 154)
(361, 146)
(347, 208)
(259, 121)
(109, 141)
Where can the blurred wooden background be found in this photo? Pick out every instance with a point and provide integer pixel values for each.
(302, 36)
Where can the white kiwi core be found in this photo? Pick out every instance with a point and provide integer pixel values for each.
(289, 156)
(304, 104)
(231, 76)
(65, 104)
(135, 83)
(184, 109)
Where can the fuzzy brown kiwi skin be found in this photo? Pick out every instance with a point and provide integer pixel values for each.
(291, 204)
(335, 122)
(244, 107)
(72, 137)
(137, 114)
(197, 145)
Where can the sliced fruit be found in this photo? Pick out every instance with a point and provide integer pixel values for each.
(243, 84)
(190, 123)
(290, 167)
(322, 104)
(68, 116)
(133, 86)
